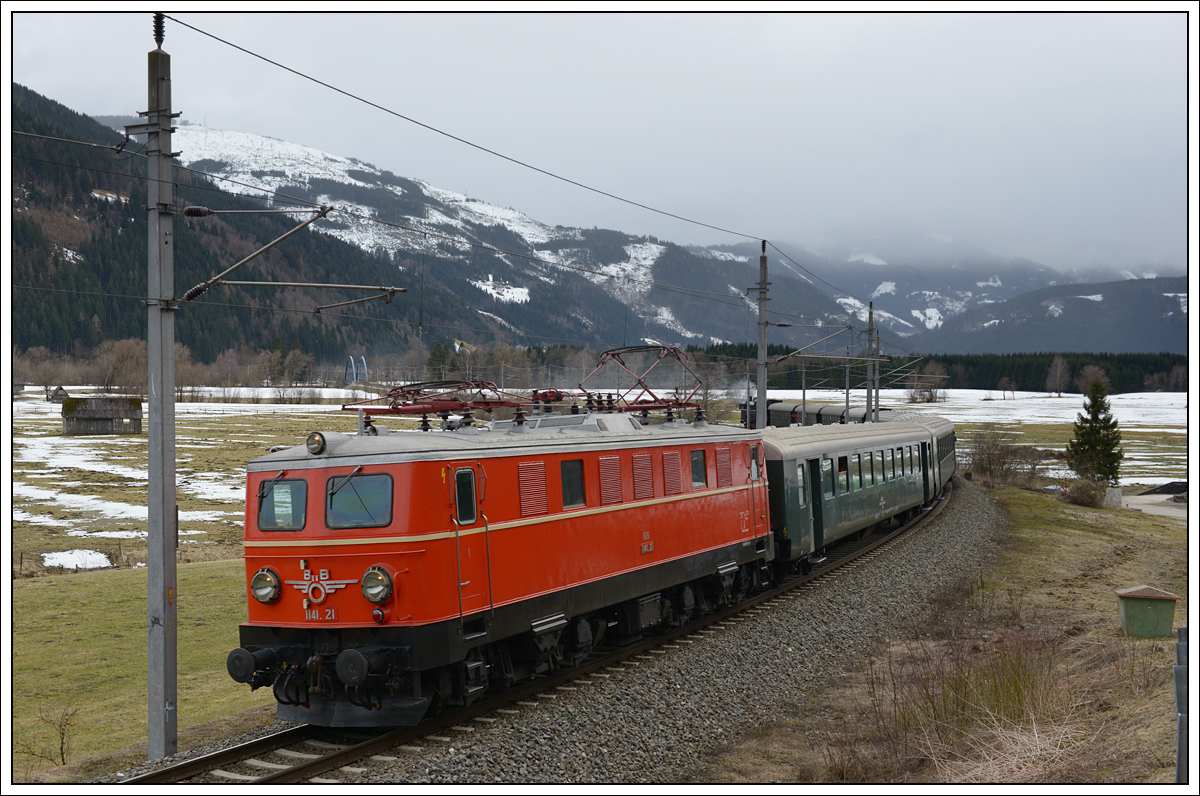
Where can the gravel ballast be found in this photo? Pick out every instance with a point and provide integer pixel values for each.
(655, 722)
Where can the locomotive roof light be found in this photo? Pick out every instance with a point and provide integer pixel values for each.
(265, 585)
(315, 443)
(377, 584)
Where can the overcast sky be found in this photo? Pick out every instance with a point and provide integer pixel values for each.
(1061, 138)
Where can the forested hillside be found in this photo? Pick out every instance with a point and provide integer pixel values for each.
(79, 259)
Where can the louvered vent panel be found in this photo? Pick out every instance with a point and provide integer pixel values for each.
(672, 472)
(532, 477)
(643, 476)
(724, 468)
(610, 479)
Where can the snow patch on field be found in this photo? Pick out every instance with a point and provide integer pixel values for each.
(76, 559)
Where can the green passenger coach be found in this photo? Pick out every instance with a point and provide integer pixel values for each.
(828, 482)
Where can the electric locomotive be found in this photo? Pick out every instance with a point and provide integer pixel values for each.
(392, 574)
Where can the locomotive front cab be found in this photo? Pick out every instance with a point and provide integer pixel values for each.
(326, 588)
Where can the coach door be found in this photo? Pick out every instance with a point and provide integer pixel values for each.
(472, 544)
(926, 470)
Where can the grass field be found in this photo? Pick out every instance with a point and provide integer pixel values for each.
(79, 640)
(1054, 689)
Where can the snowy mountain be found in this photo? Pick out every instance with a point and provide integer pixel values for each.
(917, 283)
(530, 265)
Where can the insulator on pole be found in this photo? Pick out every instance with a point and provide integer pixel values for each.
(196, 212)
(158, 30)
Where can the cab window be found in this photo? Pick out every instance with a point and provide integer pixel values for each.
(464, 496)
(699, 470)
(358, 501)
(572, 484)
(281, 504)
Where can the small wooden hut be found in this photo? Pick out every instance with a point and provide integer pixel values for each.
(102, 416)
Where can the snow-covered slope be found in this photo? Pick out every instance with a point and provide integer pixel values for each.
(527, 265)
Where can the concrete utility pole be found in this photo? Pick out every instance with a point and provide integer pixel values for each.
(162, 595)
(760, 420)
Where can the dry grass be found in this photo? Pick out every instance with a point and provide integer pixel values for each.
(1020, 675)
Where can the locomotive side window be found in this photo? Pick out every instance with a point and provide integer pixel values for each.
(281, 505)
(464, 496)
(358, 501)
(699, 470)
(827, 478)
(572, 484)
(753, 462)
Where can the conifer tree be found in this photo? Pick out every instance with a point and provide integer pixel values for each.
(1095, 452)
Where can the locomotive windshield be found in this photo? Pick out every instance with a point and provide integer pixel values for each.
(358, 501)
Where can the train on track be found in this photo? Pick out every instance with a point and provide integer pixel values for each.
(391, 575)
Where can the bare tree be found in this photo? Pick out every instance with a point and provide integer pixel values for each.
(1058, 377)
(61, 723)
(121, 366)
(1090, 374)
(1006, 386)
(928, 386)
(1177, 381)
(46, 368)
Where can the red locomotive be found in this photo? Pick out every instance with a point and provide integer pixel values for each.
(391, 571)
(391, 574)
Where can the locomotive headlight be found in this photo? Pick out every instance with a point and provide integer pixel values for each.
(315, 443)
(265, 586)
(377, 584)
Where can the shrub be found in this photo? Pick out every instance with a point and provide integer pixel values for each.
(1085, 492)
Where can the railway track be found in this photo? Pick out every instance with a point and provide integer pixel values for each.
(317, 755)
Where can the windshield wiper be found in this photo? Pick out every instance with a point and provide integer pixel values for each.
(265, 487)
(335, 487)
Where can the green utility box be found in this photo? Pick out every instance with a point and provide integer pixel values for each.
(1146, 611)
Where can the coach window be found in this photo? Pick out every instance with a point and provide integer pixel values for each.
(464, 495)
(827, 478)
(281, 504)
(699, 470)
(358, 501)
(800, 490)
(856, 472)
(891, 464)
(880, 468)
(572, 484)
(844, 474)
